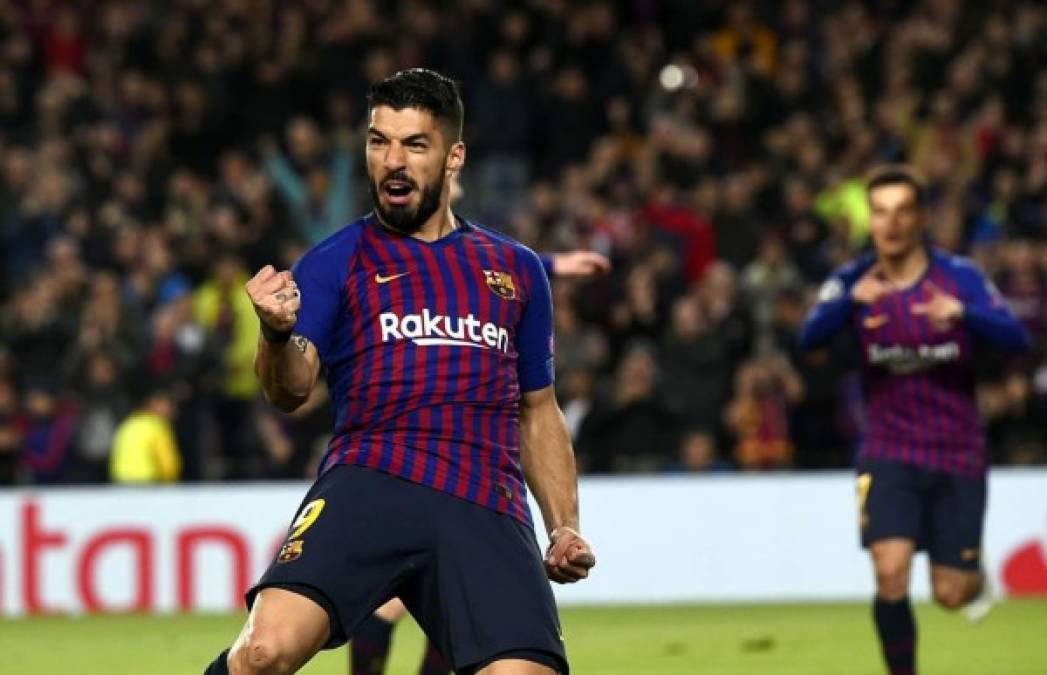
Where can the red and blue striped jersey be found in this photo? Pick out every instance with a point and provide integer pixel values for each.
(918, 381)
(426, 349)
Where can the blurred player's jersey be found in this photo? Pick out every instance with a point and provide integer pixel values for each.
(919, 381)
(427, 348)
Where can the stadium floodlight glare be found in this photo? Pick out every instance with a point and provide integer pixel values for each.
(674, 77)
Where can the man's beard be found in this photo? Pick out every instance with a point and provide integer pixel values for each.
(404, 219)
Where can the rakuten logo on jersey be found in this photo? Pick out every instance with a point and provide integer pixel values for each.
(428, 329)
(903, 360)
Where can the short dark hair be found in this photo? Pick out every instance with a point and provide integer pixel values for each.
(896, 174)
(426, 90)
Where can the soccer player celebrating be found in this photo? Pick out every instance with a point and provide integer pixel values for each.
(436, 338)
(918, 313)
(373, 638)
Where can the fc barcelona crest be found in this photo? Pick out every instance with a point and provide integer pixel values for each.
(290, 551)
(501, 284)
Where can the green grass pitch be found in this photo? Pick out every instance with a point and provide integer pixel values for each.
(814, 639)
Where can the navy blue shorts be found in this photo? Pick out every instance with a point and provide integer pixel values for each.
(471, 577)
(941, 512)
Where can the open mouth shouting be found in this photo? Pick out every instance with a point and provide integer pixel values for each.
(398, 191)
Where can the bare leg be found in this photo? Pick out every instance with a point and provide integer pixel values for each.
(895, 626)
(954, 587)
(283, 631)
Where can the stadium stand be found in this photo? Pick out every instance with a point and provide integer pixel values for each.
(152, 155)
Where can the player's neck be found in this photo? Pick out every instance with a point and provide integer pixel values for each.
(439, 225)
(905, 270)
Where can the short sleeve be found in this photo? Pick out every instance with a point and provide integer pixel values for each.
(534, 332)
(321, 275)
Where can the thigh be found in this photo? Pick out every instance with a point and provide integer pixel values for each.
(891, 503)
(487, 598)
(340, 550)
(957, 516)
(892, 564)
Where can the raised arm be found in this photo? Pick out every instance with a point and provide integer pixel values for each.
(283, 175)
(287, 365)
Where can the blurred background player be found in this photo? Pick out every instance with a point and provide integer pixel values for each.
(920, 314)
(442, 383)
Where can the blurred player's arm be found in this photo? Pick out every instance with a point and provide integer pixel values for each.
(287, 364)
(836, 299)
(582, 264)
(985, 313)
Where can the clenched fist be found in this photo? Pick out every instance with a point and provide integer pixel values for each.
(569, 557)
(275, 298)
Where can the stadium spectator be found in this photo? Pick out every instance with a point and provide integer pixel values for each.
(575, 393)
(318, 192)
(698, 453)
(763, 280)
(695, 364)
(144, 445)
(223, 309)
(48, 426)
(104, 402)
(578, 345)
(758, 415)
(10, 434)
(630, 429)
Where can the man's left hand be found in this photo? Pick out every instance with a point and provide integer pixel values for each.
(569, 557)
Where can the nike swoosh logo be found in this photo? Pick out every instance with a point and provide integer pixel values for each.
(379, 279)
(875, 321)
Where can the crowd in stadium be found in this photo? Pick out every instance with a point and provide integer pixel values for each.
(154, 155)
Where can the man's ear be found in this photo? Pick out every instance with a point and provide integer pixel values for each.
(456, 157)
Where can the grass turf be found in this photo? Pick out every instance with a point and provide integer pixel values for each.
(829, 639)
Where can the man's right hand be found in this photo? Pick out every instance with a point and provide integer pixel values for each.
(275, 298)
(871, 287)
